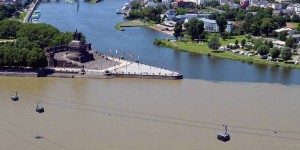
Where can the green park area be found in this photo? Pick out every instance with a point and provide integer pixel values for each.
(202, 48)
(131, 23)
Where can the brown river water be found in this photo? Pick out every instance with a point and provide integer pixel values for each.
(132, 114)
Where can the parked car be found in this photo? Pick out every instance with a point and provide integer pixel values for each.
(264, 57)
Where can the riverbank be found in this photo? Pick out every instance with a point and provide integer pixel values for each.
(202, 48)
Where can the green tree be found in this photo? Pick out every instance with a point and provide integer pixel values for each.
(9, 28)
(255, 30)
(282, 35)
(195, 28)
(290, 42)
(263, 49)
(62, 38)
(249, 17)
(135, 5)
(42, 34)
(281, 21)
(221, 22)
(295, 18)
(134, 13)
(214, 43)
(243, 42)
(37, 58)
(178, 30)
(298, 28)
(270, 44)
(236, 43)
(286, 54)
(268, 26)
(275, 52)
(248, 36)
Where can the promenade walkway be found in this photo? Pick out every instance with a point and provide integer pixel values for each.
(113, 65)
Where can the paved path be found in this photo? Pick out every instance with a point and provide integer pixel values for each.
(114, 65)
(173, 42)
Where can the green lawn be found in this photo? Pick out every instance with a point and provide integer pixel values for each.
(132, 23)
(21, 16)
(294, 24)
(228, 41)
(93, 1)
(202, 48)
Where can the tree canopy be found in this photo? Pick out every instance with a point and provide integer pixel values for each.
(275, 52)
(222, 22)
(31, 39)
(195, 28)
(286, 54)
(214, 43)
(267, 26)
(263, 49)
(178, 30)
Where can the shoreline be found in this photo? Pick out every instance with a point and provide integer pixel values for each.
(102, 67)
(173, 45)
(226, 55)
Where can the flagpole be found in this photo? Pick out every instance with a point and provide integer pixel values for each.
(138, 65)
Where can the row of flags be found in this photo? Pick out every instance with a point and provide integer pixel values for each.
(131, 55)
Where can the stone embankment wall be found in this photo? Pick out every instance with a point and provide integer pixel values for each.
(142, 76)
(19, 74)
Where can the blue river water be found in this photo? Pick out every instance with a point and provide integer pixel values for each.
(97, 21)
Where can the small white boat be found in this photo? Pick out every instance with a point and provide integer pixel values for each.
(35, 21)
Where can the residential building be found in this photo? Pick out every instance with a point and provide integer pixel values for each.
(212, 26)
(294, 7)
(233, 5)
(166, 1)
(151, 4)
(171, 14)
(2, 2)
(284, 11)
(190, 16)
(244, 3)
(283, 1)
(297, 37)
(20, 1)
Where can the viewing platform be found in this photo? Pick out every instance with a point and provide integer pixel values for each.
(105, 66)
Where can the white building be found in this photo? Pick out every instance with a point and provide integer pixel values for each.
(212, 26)
(151, 4)
(294, 7)
(171, 14)
(166, 1)
(283, 1)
